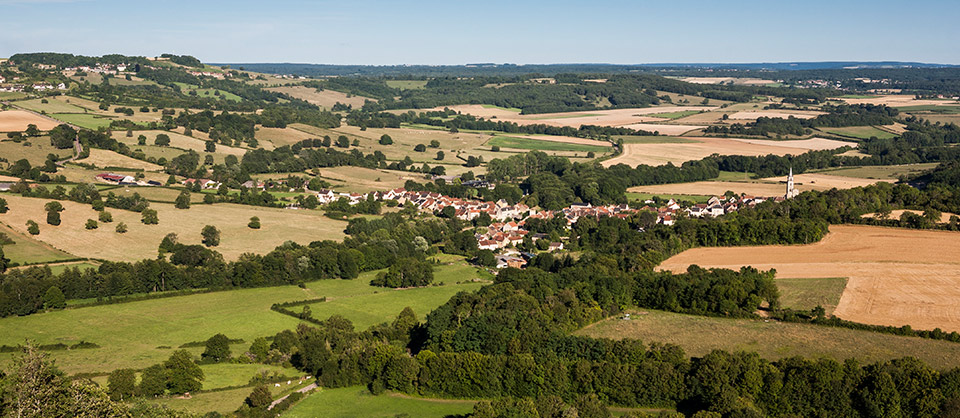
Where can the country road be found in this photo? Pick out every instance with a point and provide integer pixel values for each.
(304, 389)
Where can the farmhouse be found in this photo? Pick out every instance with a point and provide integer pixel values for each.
(116, 178)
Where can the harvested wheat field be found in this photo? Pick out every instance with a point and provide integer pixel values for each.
(325, 98)
(177, 140)
(677, 153)
(279, 137)
(141, 241)
(609, 117)
(17, 121)
(824, 181)
(105, 158)
(898, 100)
(664, 129)
(895, 276)
(769, 187)
(363, 180)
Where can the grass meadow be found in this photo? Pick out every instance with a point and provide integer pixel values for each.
(357, 402)
(84, 120)
(883, 172)
(543, 145)
(860, 132)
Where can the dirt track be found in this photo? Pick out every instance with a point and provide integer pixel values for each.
(896, 276)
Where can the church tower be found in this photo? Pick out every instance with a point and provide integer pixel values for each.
(791, 191)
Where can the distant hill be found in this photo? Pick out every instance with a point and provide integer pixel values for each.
(320, 70)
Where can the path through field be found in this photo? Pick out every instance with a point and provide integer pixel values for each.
(896, 276)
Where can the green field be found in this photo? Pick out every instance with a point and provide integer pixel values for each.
(11, 95)
(806, 294)
(543, 145)
(138, 334)
(949, 110)
(357, 402)
(84, 120)
(60, 268)
(883, 172)
(26, 250)
(698, 335)
(675, 115)
(860, 132)
(629, 139)
(407, 84)
(734, 176)
(53, 106)
(678, 197)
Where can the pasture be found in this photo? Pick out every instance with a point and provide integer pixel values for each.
(698, 335)
(362, 180)
(141, 241)
(177, 140)
(85, 120)
(138, 334)
(104, 158)
(52, 106)
(883, 172)
(544, 145)
(17, 121)
(895, 276)
(608, 117)
(860, 132)
(407, 84)
(357, 402)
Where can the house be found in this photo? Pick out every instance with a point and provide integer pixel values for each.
(487, 245)
(555, 246)
(5, 187)
(250, 184)
(115, 178)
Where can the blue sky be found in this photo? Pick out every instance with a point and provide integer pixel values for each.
(518, 31)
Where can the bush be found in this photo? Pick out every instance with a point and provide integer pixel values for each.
(420, 148)
(149, 217)
(105, 217)
(121, 228)
(91, 224)
(254, 223)
(33, 228)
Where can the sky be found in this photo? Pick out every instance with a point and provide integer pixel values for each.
(517, 31)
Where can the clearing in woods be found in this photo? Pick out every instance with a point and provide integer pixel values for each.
(860, 132)
(141, 241)
(895, 276)
(324, 98)
(698, 335)
(17, 121)
(138, 334)
(357, 402)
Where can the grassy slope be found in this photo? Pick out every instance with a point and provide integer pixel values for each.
(890, 172)
(699, 335)
(808, 293)
(535, 144)
(357, 402)
(29, 250)
(860, 132)
(130, 334)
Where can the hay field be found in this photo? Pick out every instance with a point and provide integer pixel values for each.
(362, 180)
(141, 241)
(282, 136)
(325, 99)
(677, 153)
(53, 105)
(405, 139)
(356, 401)
(860, 132)
(896, 276)
(698, 335)
(17, 121)
(889, 172)
(664, 129)
(36, 152)
(105, 158)
(543, 144)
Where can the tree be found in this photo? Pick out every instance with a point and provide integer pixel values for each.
(129, 133)
(141, 140)
(434, 143)
(53, 218)
(183, 374)
(495, 148)
(210, 146)
(162, 140)
(62, 136)
(91, 224)
(420, 148)
(105, 217)
(153, 381)
(3, 205)
(187, 131)
(121, 228)
(4, 261)
(31, 130)
(386, 140)
(440, 155)
(217, 349)
(486, 258)
(183, 200)
(33, 228)
(54, 299)
(259, 398)
(254, 223)
(343, 141)
(260, 349)
(53, 206)
(122, 384)
(149, 217)
(211, 236)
